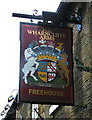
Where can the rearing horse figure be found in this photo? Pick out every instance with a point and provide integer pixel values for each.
(31, 65)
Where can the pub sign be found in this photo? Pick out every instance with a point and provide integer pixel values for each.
(45, 64)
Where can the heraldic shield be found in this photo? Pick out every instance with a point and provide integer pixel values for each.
(47, 70)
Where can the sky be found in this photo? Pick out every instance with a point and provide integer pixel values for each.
(10, 44)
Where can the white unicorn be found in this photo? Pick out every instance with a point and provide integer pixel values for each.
(31, 65)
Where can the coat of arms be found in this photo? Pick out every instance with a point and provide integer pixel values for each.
(45, 62)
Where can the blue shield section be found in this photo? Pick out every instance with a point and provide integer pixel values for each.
(42, 66)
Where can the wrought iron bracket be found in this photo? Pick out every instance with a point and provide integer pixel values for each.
(64, 15)
(81, 66)
(54, 17)
(76, 16)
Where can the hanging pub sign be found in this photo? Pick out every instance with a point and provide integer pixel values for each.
(46, 65)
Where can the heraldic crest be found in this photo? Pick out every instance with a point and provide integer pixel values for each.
(46, 62)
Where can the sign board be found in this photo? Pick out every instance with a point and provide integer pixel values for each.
(46, 64)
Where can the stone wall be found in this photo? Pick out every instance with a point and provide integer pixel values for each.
(24, 111)
(82, 48)
(82, 79)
